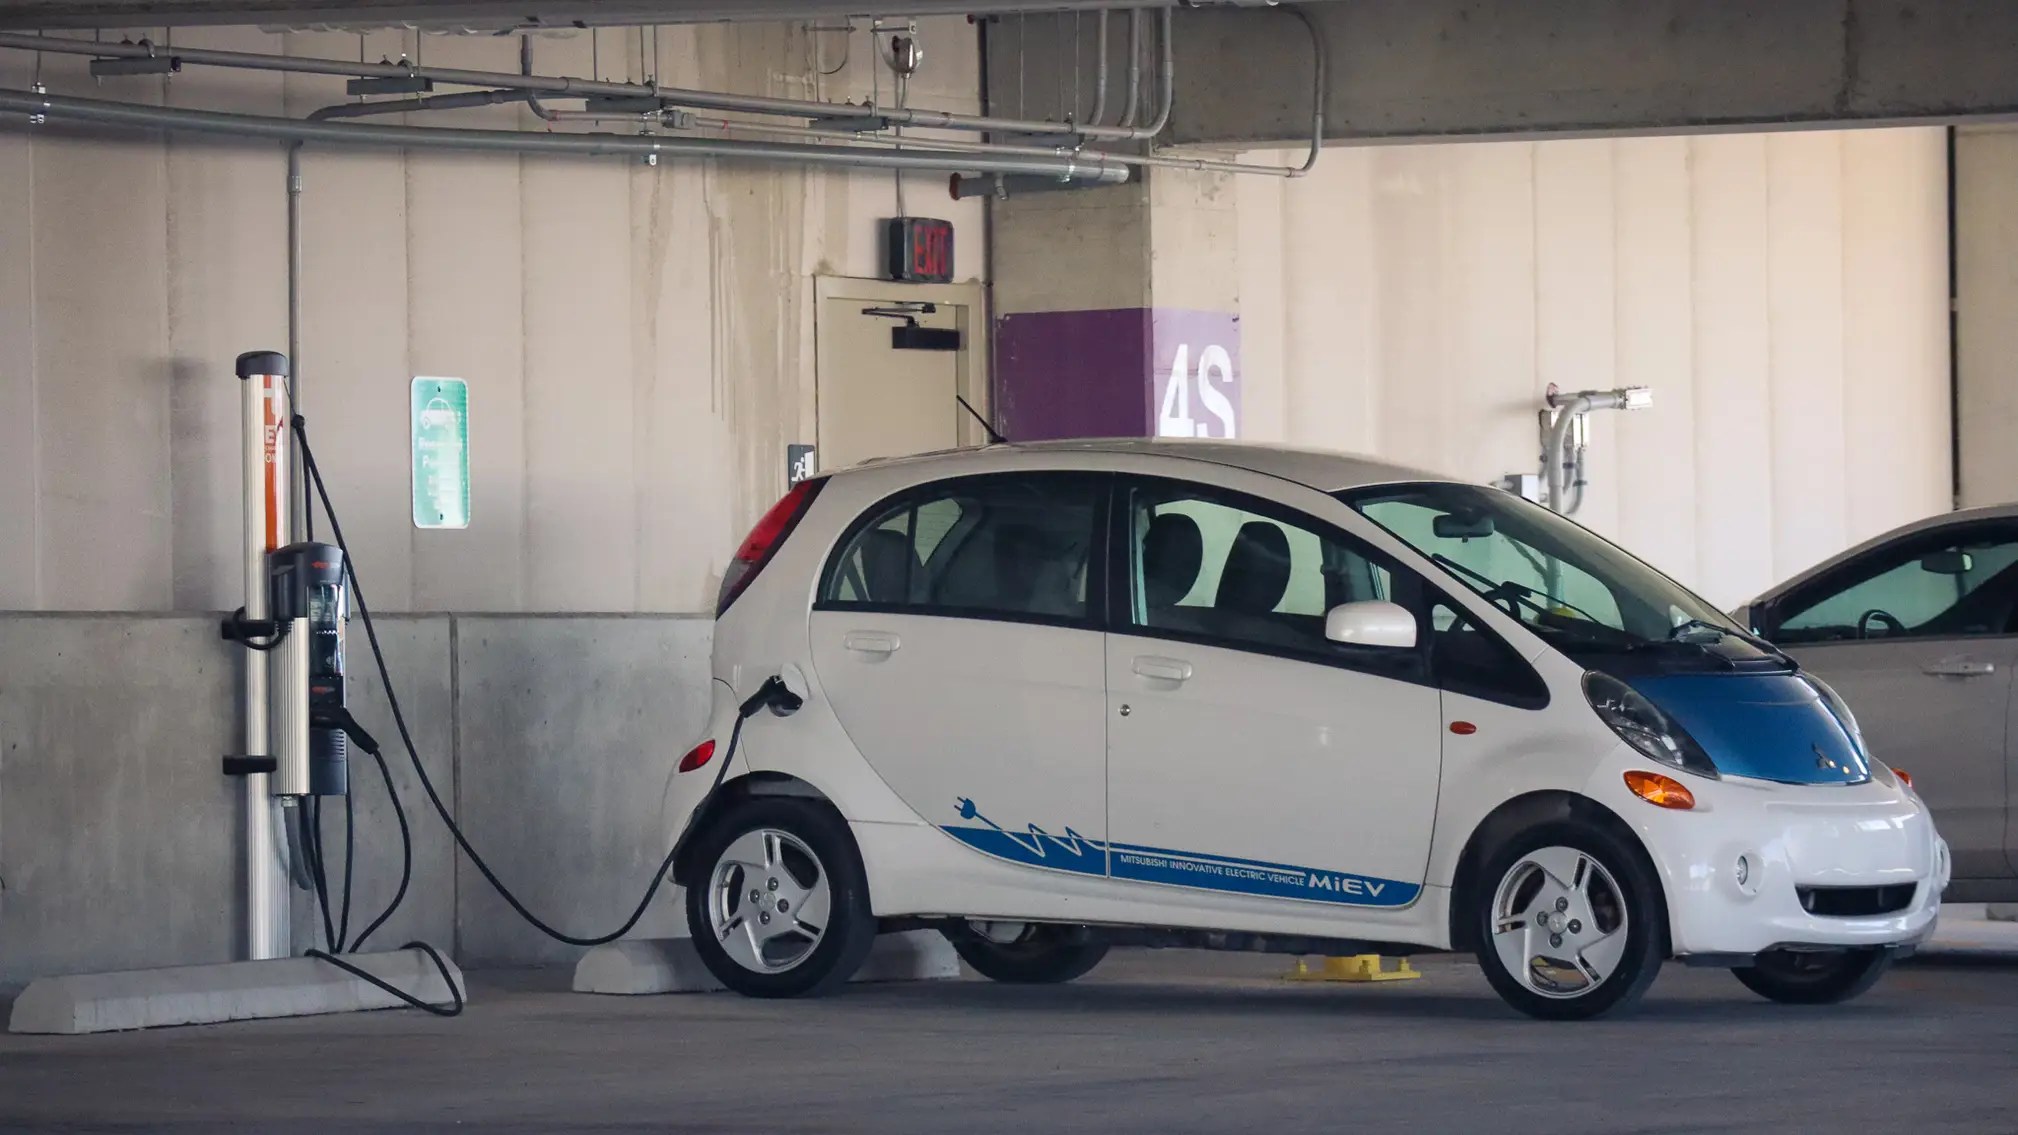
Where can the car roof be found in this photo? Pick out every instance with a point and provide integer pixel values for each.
(1325, 470)
(1925, 524)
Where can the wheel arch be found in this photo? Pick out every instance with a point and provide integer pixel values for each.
(1528, 811)
(725, 799)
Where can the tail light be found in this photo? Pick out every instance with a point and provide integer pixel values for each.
(763, 541)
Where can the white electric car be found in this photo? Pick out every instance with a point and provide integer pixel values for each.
(1055, 697)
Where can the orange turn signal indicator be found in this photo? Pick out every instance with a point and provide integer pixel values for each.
(1905, 777)
(1660, 791)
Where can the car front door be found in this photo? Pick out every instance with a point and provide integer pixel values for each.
(1250, 759)
(957, 636)
(1920, 636)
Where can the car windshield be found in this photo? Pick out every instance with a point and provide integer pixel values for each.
(1583, 594)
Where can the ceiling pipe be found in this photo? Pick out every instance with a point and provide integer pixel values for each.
(457, 101)
(1085, 168)
(1100, 77)
(1129, 108)
(567, 86)
(496, 16)
(1319, 92)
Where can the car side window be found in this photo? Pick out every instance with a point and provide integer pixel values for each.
(1016, 546)
(1219, 567)
(1932, 586)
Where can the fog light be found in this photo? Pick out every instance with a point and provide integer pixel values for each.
(1742, 870)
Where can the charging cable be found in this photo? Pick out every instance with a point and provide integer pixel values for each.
(773, 694)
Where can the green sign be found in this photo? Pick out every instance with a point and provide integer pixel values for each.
(440, 453)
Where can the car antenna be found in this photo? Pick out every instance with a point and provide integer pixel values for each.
(994, 435)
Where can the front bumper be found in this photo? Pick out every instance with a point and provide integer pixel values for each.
(1789, 837)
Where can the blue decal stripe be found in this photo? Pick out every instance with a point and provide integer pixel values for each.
(1137, 863)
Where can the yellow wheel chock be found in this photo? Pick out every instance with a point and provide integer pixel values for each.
(1358, 967)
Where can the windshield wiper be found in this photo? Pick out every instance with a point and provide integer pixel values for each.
(1525, 595)
(1688, 625)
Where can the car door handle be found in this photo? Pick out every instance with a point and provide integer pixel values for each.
(1162, 669)
(879, 643)
(1959, 668)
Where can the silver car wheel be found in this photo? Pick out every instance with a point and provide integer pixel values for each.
(769, 900)
(1559, 922)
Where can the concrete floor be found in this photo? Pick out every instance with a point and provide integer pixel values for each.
(1163, 1043)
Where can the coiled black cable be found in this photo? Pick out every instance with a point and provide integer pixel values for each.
(337, 934)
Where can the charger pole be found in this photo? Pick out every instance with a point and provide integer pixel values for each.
(263, 388)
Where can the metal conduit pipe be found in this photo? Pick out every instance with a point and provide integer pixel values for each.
(1129, 108)
(457, 101)
(1075, 168)
(562, 85)
(1320, 90)
(1100, 77)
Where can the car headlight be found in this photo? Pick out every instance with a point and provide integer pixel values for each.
(1841, 710)
(1641, 724)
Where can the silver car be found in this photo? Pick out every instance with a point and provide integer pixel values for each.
(1918, 630)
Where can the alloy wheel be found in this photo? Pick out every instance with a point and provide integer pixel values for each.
(1559, 922)
(769, 900)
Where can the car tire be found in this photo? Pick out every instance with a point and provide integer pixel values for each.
(1569, 922)
(1813, 978)
(1042, 955)
(781, 907)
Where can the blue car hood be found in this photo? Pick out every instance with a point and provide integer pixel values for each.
(1768, 726)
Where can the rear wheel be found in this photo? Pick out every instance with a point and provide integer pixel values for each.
(1814, 977)
(1026, 953)
(1570, 923)
(783, 910)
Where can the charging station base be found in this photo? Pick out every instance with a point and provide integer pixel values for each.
(670, 965)
(230, 991)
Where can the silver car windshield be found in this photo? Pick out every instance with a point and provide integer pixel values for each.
(1563, 581)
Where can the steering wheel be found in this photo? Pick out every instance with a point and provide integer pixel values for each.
(1892, 625)
(1507, 599)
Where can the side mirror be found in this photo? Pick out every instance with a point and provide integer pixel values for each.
(1947, 561)
(1373, 622)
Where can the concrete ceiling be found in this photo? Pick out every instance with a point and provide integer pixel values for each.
(496, 14)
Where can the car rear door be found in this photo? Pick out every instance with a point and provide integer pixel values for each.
(957, 635)
(1248, 757)
(1920, 636)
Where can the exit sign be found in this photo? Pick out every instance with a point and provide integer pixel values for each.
(918, 250)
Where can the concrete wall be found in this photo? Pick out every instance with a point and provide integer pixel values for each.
(638, 341)
(551, 737)
(1784, 295)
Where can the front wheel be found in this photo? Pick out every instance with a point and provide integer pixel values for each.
(1814, 977)
(783, 910)
(1570, 923)
(1026, 953)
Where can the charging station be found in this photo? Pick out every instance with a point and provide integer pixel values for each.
(297, 733)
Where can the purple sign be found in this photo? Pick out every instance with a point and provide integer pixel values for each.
(1120, 372)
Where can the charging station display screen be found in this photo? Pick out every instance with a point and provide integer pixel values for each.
(327, 612)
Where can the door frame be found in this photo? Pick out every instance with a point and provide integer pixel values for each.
(971, 370)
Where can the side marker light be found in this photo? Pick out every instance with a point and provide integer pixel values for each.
(1660, 791)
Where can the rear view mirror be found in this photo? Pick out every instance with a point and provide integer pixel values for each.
(1947, 561)
(1462, 526)
(1371, 622)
